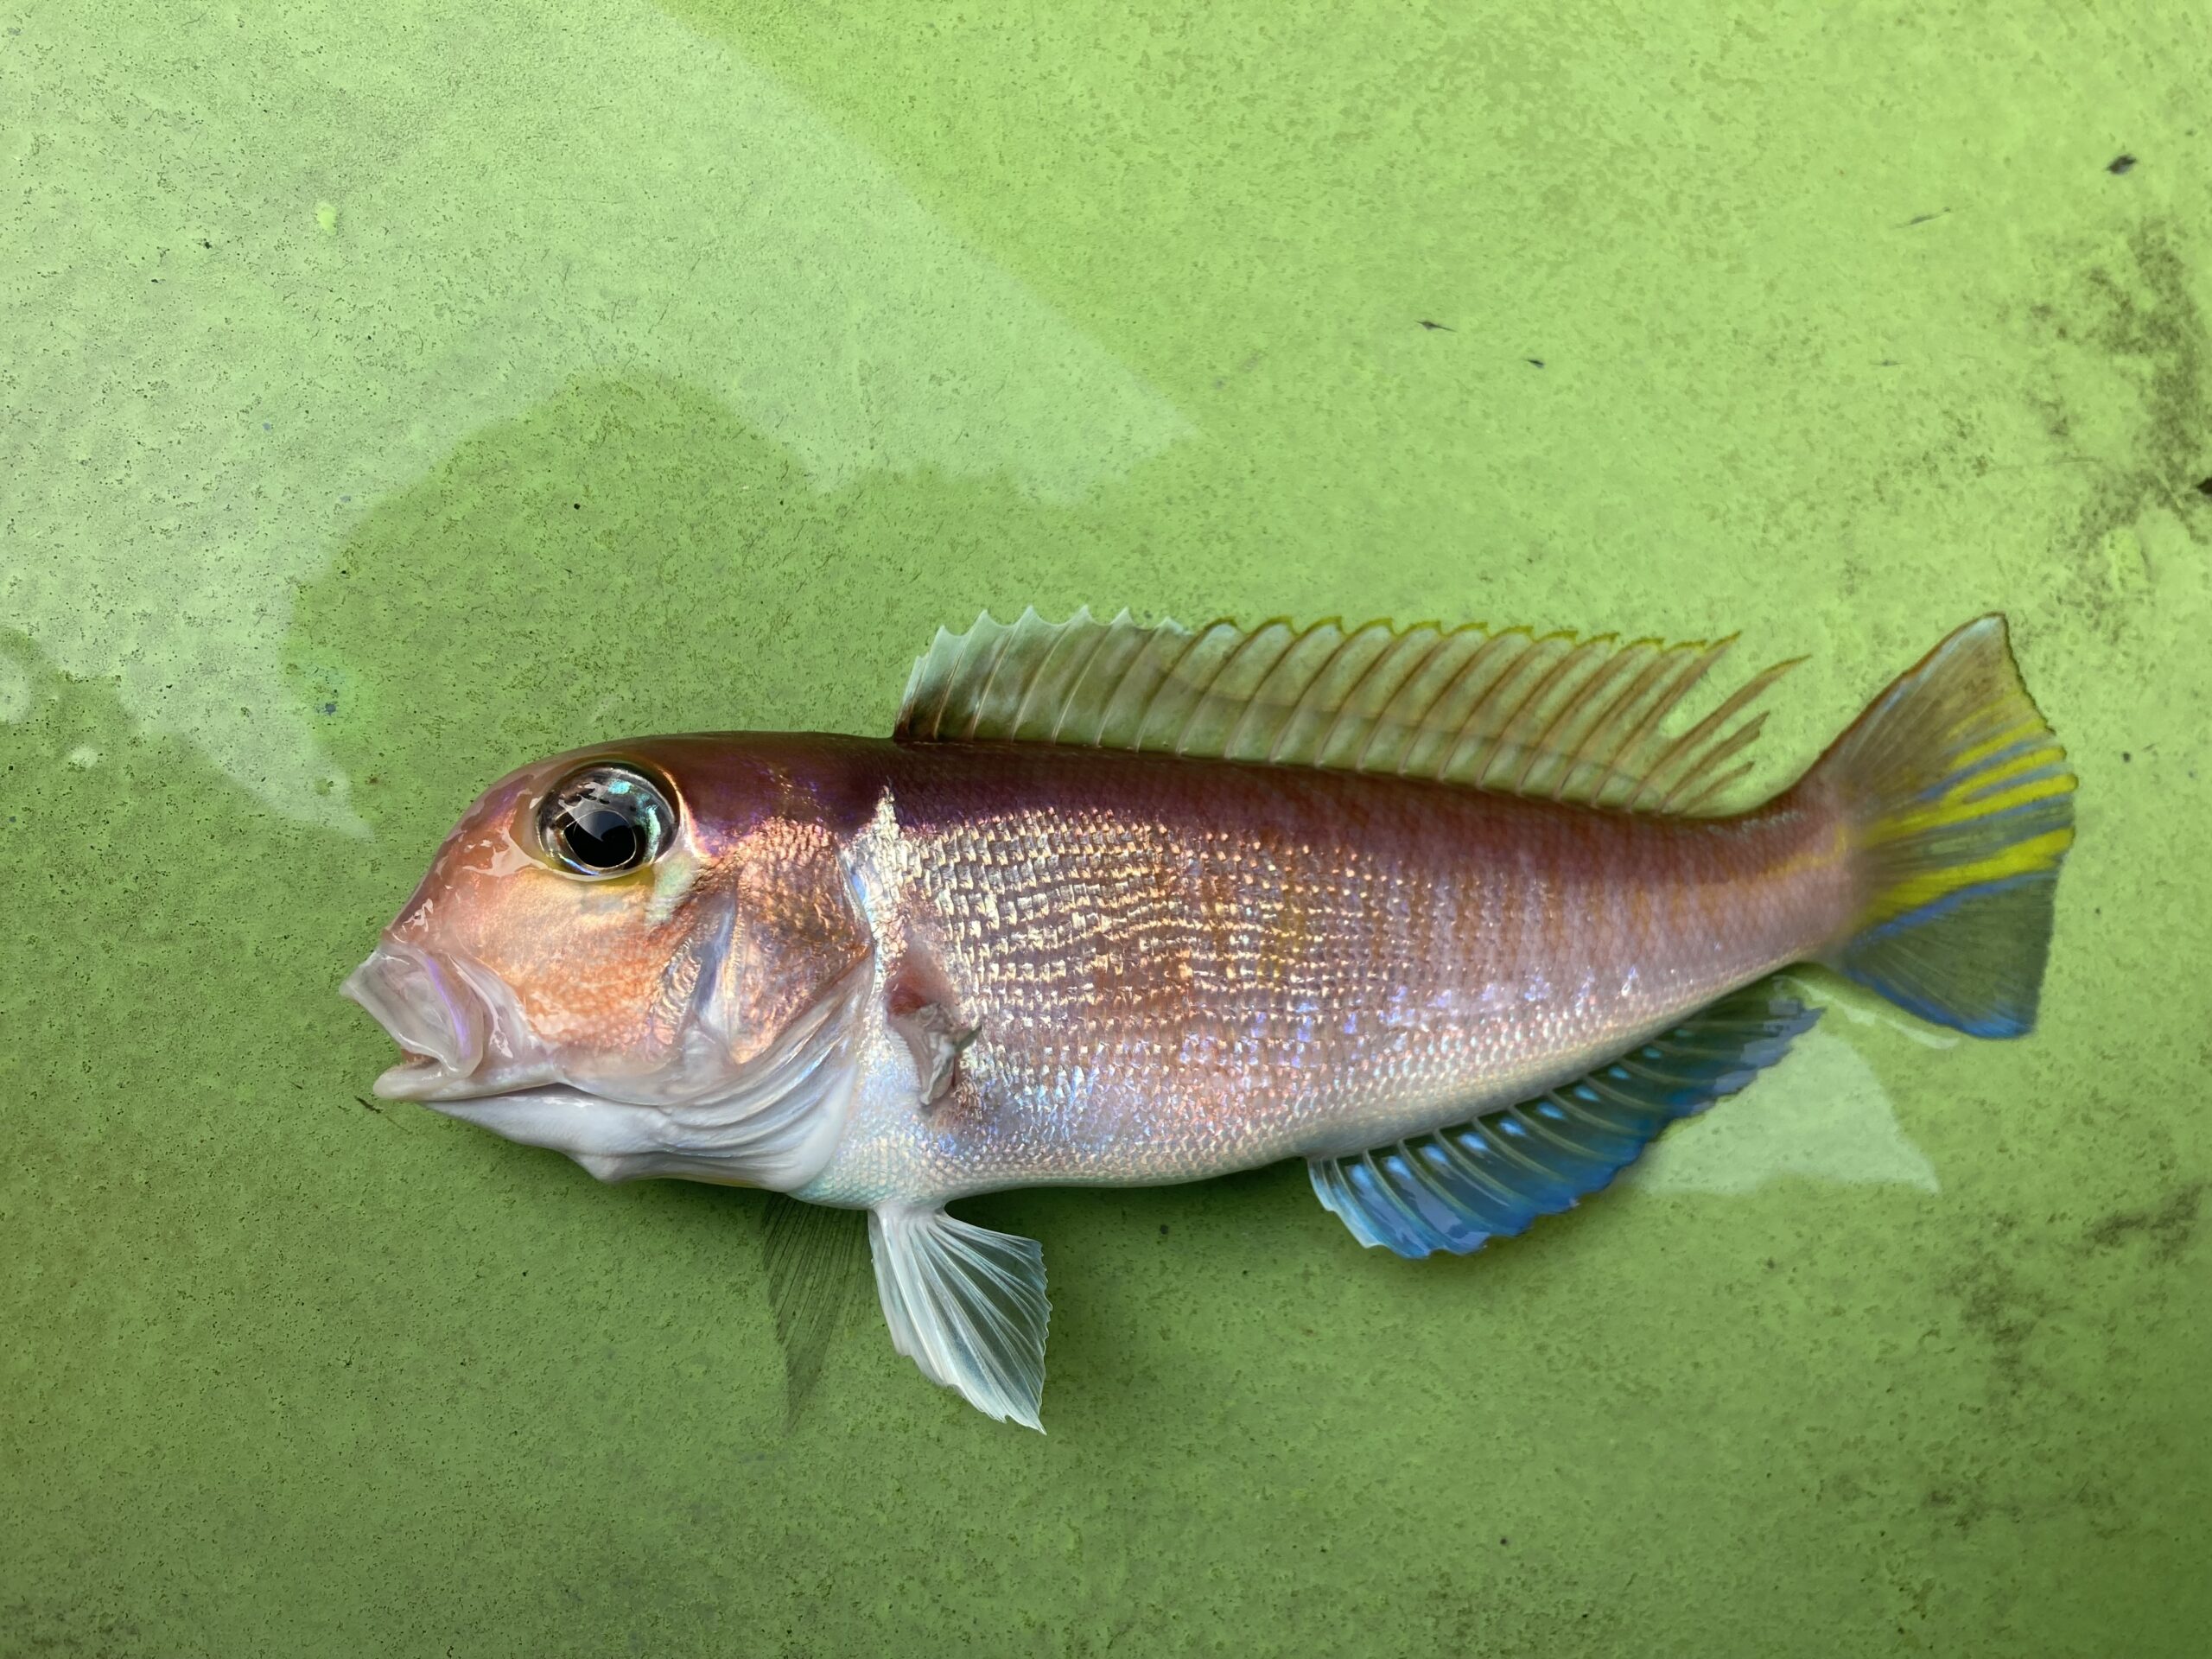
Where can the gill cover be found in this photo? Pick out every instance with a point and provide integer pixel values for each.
(773, 1121)
(756, 1019)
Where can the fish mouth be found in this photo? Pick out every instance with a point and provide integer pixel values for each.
(439, 1013)
(772, 1122)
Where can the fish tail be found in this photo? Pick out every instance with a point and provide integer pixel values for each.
(1958, 807)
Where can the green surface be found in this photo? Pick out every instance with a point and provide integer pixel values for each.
(389, 393)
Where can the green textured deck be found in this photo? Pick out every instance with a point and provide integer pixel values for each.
(391, 392)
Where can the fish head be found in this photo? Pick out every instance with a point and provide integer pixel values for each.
(649, 956)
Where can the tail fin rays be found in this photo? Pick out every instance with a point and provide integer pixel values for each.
(1961, 809)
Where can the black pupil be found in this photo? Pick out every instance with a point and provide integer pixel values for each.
(600, 836)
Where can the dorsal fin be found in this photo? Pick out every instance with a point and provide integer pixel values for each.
(1550, 715)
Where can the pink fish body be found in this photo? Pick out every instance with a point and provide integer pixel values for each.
(1441, 913)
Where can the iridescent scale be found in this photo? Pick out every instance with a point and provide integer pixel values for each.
(1179, 968)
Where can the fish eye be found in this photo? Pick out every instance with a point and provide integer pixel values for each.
(605, 820)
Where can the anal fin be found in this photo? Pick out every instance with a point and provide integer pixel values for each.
(967, 1305)
(1461, 1186)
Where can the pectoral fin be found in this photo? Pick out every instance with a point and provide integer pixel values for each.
(937, 1042)
(920, 1006)
(967, 1305)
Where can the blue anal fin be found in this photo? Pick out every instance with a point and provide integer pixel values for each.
(1461, 1186)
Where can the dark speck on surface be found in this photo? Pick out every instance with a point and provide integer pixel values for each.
(329, 707)
(1534, 362)
(2167, 1227)
(2120, 164)
(2204, 487)
(1163, 1230)
(345, 498)
(2124, 755)
(1442, 327)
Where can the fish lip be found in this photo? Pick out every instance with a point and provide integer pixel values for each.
(774, 1122)
(431, 1009)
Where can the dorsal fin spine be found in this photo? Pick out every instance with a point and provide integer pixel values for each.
(1708, 763)
(1688, 742)
(1717, 788)
(978, 652)
(1620, 708)
(1141, 714)
(1074, 700)
(1280, 660)
(1505, 676)
(1511, 737)
(1348, 640)
(1484, 649)
(991, 677)
(1283, 651)
(1674, 693)
(1502, 740)
(1149, 672)
(1366, 744)
(1038, 675)
(1544, 746)
(1196, 694)
(967, 648)
(945, 637)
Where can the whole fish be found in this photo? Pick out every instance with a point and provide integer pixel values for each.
(1452, 914)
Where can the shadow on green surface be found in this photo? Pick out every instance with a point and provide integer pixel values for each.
(628, 557)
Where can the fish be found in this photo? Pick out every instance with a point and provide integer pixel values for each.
(1464, 918)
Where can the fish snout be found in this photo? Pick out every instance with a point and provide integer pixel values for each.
(430, 1010)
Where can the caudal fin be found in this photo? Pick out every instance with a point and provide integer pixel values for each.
(1962, 807)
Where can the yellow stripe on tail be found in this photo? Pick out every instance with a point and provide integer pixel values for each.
(1960, 808)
